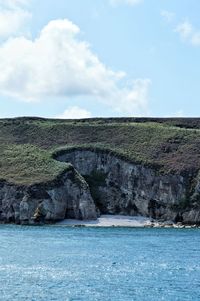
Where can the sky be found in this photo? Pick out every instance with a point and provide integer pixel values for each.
(99, 58)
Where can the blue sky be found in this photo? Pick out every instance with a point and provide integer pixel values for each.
(88, 58)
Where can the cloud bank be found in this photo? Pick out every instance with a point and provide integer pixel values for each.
(75, 113)
(13, 17)
(58, 63)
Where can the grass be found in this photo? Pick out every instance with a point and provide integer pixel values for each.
(27, 164)
(27, 144)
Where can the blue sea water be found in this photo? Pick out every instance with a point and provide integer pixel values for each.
(118, 264)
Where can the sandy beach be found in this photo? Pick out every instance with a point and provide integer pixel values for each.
(109, 221)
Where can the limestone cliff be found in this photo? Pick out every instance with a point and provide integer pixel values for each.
(121, 187)
(66, 197)
(100, 182)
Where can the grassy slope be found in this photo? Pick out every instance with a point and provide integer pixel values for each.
(26, 144)
(28, 164)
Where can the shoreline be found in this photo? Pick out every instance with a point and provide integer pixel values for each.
(122, 221)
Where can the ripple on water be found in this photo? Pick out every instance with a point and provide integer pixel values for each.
(53, 263)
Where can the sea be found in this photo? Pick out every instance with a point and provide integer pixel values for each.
(54, 263)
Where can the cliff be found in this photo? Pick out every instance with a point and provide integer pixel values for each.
(55, 169)
(68, 196)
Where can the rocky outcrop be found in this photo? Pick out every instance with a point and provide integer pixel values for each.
(67, 197)
(120, 187)
(100, 182)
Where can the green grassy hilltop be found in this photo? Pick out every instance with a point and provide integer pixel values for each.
(28, 145)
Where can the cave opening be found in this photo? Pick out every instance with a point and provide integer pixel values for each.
(97, 181)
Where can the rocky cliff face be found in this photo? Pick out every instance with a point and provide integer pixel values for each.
(66, 197)
(115, 187)
(119, 187)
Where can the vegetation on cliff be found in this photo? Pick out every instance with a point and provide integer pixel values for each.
(27, 164)
(27, 145)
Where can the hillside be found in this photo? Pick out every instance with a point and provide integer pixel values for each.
(51, 169)
(27, 145)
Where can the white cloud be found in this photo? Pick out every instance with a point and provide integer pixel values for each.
(179, 113)
(133, 99)
(167, 15)
(58, 63)
(127, 2)
(188, 33)
(185, 30)
(13, 16)
(12, 21)
(75, 113)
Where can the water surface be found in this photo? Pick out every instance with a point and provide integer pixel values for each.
(118, 264)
